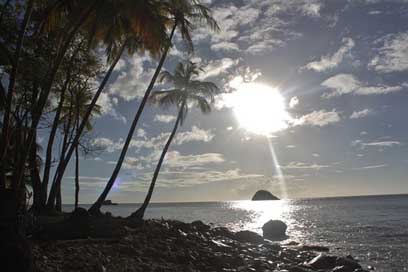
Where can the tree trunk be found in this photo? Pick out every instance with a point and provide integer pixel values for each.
(76, 177)
(64, 163)
(77, 165)
(34, 178)
(95, 208)
(65, 142)
(141, 211)
(53, 133)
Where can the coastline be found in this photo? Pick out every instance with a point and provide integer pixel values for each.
(84, 243)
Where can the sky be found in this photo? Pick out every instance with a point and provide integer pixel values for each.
(328, 80)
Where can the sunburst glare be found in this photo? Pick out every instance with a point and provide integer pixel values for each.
(259, 108)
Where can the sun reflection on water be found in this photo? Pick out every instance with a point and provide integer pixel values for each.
(257, 213)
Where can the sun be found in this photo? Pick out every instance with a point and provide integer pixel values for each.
(259, 108)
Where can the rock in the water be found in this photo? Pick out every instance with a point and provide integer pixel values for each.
(247, 236)
(264, 195)
(274, 229)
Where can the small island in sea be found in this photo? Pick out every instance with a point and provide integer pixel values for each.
(264, 195)
(108, 202)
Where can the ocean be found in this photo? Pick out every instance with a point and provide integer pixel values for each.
(373, 229)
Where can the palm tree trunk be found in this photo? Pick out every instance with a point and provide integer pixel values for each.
(64, 163)
(77, 165)
(53, 133)
(76, 177)
(141, 211)
(65, 141)
(95, 208)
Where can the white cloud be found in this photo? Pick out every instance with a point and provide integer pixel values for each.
(330, 61)
(133, 78)
(371, 167)
(175, 159)
(294, 101)
(185, 178)
(164, 118)
(346, 83)
(225, 46)
(392, 56)
(215, 68)
(380, 144)
(107, 144)
(303, 165)
(341, 84)
(361, 114)
(195, 134)
(318, 118)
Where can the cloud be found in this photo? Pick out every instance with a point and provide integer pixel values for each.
(376, 144)
(215, 68)
(294, 101)
(225, 46)
(330, 61)
(361, 114)
(392, 55)
(346, 83)
(164, 118)
(177, 179)
(196, 134)
(371, 167)
(107, 144)
(318, 118)
(303, 165)
(175, 159)
(133, 77)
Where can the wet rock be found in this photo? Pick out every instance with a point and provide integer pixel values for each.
(323, 262)
(348, 263)
(342, 268)
(200, 226)
(247, 236)
(274, 229)
(314, 248)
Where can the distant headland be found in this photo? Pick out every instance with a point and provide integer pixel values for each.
(264, 195)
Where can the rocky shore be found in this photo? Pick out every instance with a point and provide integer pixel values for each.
(116, 244)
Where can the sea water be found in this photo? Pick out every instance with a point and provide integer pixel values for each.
(373, 229)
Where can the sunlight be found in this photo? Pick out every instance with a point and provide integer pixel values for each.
(259, 108)
(263, 211)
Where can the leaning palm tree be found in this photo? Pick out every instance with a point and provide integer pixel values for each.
(184, 15)
(187, 92)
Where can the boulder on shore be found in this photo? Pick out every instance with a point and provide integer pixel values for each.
(274, 229)
(264, 195)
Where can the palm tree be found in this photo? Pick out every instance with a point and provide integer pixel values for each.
(81, 100)
(184, 15)
(187, 92)
(120, 25)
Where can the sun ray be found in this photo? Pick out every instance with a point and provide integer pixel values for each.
(279, 173)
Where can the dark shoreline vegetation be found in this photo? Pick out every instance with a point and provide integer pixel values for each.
(80, 242)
